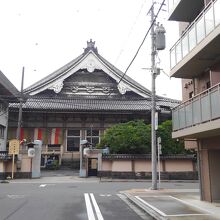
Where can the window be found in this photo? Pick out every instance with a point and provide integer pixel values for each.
(2, 131)
(73, 139)
(208, 85)
(191, 94)
(92, 136)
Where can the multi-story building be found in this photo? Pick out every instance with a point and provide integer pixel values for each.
(195, 58)
(8, 93)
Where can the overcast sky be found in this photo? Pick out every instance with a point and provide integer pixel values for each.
(44, 35)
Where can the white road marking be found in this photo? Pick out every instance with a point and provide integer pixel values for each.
(105, 195)
(90, 212)
(182, 215)
(187, 203)
(154, 208)
(139, 212)
(42, 185)
(175, 215)
(98, 212)
(16, 196)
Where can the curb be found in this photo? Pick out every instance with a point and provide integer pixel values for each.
(144, 207)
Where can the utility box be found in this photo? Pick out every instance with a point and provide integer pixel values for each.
(160, 43)
(36, 159)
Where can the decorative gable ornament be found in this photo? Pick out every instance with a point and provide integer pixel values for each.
(90, 89)
(122, 88)
(74, 89)
(90, 66)
(106, 90)
(57, 87)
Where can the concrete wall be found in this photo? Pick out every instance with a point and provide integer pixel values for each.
(209, 151)
(214, 158)
(215, 74)
(122, 166)
(142, 166)
(199, 84)
(173, 165)
(25, 164)
(178, 165)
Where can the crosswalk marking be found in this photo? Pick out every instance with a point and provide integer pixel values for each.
(90, 203)
(42, 185)
(98, 212)
(90, 212)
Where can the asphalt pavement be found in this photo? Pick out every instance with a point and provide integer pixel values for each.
(64, 195)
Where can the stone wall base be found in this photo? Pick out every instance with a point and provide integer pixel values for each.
(17, 175)
(188, 175)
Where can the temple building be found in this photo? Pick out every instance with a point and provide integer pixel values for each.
(80, 101)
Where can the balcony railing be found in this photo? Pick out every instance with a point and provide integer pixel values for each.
(201, 108)
(205, 23)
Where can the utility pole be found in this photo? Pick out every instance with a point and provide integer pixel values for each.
(153, 110)
(20, 107)
(157, 43)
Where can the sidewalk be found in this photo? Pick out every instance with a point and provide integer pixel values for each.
(173, 204)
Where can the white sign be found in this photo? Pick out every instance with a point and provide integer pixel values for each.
(31, 152)
(156, 120)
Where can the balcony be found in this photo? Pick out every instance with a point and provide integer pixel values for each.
(198, 117)
(199, 46)
(184, 10)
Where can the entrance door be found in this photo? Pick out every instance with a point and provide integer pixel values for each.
(92, 166)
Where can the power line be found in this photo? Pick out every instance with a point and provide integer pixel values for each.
(130, 32)
(152, 23)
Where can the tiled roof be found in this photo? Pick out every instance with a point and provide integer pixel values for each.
(147, 156)
(7, 88)
(63, 70)
(42, 104)
(54, 75)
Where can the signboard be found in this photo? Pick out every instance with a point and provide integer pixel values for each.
(14, 146)
(156, 120)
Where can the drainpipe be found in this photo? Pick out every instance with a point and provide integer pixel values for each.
(210, 77)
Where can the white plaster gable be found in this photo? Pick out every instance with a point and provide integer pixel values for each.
(90, 62)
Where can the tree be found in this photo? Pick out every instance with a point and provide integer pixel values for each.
(128, 138)
(134, 137)
(169, 145)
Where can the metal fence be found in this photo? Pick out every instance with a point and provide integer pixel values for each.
(201, 108)
(205, 23)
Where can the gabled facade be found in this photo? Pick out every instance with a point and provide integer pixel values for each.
(8, 93)
(80, 101)
(195, 58)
